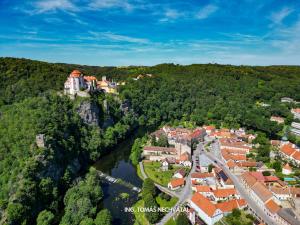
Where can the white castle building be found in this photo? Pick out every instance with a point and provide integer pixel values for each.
(76, 83)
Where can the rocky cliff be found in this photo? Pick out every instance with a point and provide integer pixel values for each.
(89, 112)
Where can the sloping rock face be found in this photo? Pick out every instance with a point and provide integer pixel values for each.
(89, 113)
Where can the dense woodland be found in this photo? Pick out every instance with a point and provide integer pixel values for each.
(38, 184)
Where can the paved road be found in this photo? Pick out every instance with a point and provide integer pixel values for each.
(244, 194)
(185, 194)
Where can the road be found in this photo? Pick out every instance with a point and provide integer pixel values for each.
(185, 194)
(252, 204)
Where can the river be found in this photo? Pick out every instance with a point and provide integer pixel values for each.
(118, 165)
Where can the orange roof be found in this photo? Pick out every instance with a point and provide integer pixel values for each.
(223, 193)
(296, 155)
(262, 191)
(288, 149)
(204, 204)
(272, 206)
(90, 78)
(185, 157)
(250, 180)
(177, 182)
(287, 167)
(246, 164)
(201, 175)
(203, 188)
(231, 164)
(209, 127)
(230, 205)
(297, 110)
(75, 73)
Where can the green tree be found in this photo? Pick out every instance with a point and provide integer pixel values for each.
(153, 214)
(148, 187)
(103, 218)
(45, 218)
(182, 219)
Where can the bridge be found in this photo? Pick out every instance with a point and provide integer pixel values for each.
(118, 181)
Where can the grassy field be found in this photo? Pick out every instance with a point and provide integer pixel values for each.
(165, 203)
(231, 221)
(140, 218)
(170, 222)
(154, 172)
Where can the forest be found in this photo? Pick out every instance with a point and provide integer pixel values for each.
(37, 184)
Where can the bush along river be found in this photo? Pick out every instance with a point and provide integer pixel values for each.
(117, 196)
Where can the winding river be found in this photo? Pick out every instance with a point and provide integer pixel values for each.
(118, 165)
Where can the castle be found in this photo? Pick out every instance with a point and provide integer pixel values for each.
(77, 84)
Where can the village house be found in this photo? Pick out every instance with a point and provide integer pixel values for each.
(296, 113)
(222, 178)
(287, 99)
(286, 169)
(228, 206)
(210, 212)
(225, 194)
(176, 183)
(205, 209)
(235, 144)
(209, 129)
(290, 152)
(281, 193)
(107, 86)
(295, 128)
(203, 189)
(277, 119)
(202, 177)
(179, 173)
(185, 160)
(156, 153)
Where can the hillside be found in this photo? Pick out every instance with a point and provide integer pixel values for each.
(34, 179)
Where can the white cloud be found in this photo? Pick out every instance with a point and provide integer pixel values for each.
(117, 37)
(53, 5)
(171, 14)
(106, 4)
(206, 11)
(278, 17)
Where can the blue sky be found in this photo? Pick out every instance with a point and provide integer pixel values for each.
(140, 32)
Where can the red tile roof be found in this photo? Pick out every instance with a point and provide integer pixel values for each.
(75, 73)
(177, 182)
(271, 179)
(231, 164)
(262, 191)
(204, 204)
(232, 204)
(201, 175)
(296, 155)
(224, 193)
(203, 188)
(272, 206)
(90, 78)
(288, 149)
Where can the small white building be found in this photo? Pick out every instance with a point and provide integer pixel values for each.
(205, 209)
(176, 183)
(287, 170)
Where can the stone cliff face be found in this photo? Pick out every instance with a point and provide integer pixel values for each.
(89, 112)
